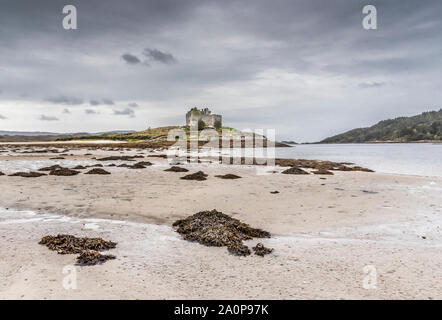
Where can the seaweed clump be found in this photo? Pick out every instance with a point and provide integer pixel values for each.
(140, 165)
(64, 172)
(98, 171)
(294, 170)
(92, 257)
(88, 248)
(228, 176)
(315, 164)
(260, 250)
(123, 158)
(31, 174)
(215, 229)
(51, 168)
(200, 176)
(239, 249)
(323, 171)
(176, 169)
(67, 244)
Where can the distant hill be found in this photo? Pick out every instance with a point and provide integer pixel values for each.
(28, 136)
(40, 133)
(28, 133)
(426, 126)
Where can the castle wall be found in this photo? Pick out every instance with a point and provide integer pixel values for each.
(209, 119)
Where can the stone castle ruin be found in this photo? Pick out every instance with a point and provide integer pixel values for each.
(210, 120)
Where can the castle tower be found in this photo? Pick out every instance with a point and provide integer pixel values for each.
(195, 114)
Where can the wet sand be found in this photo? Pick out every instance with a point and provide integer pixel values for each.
(324, 232)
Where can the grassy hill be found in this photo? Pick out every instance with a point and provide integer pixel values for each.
(149, 134)
(160, 135)
(426, 126)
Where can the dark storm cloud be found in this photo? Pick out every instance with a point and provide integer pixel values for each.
(157, 55)
(126, 112)
(47, 118)
(70, 101)
(130, 59)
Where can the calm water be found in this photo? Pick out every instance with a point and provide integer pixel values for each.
(423, 159)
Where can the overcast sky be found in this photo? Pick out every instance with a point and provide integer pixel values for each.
(306, 68)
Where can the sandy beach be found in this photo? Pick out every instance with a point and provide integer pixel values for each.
(325, 229)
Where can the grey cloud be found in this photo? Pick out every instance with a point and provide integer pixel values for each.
(130, 59)
(71, 101)
(133, 105)
(47, 118)
(95, 102)
(90, 111)
(367, 85)
(2, 117)
(108, 102)
(157, 55)
(126, 112)
(66, 111)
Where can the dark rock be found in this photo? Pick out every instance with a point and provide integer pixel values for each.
(228, 176)
(274, 192)
(98, 171)
(57, 158)
(1, 173)
(260, 250)
(200, 176)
